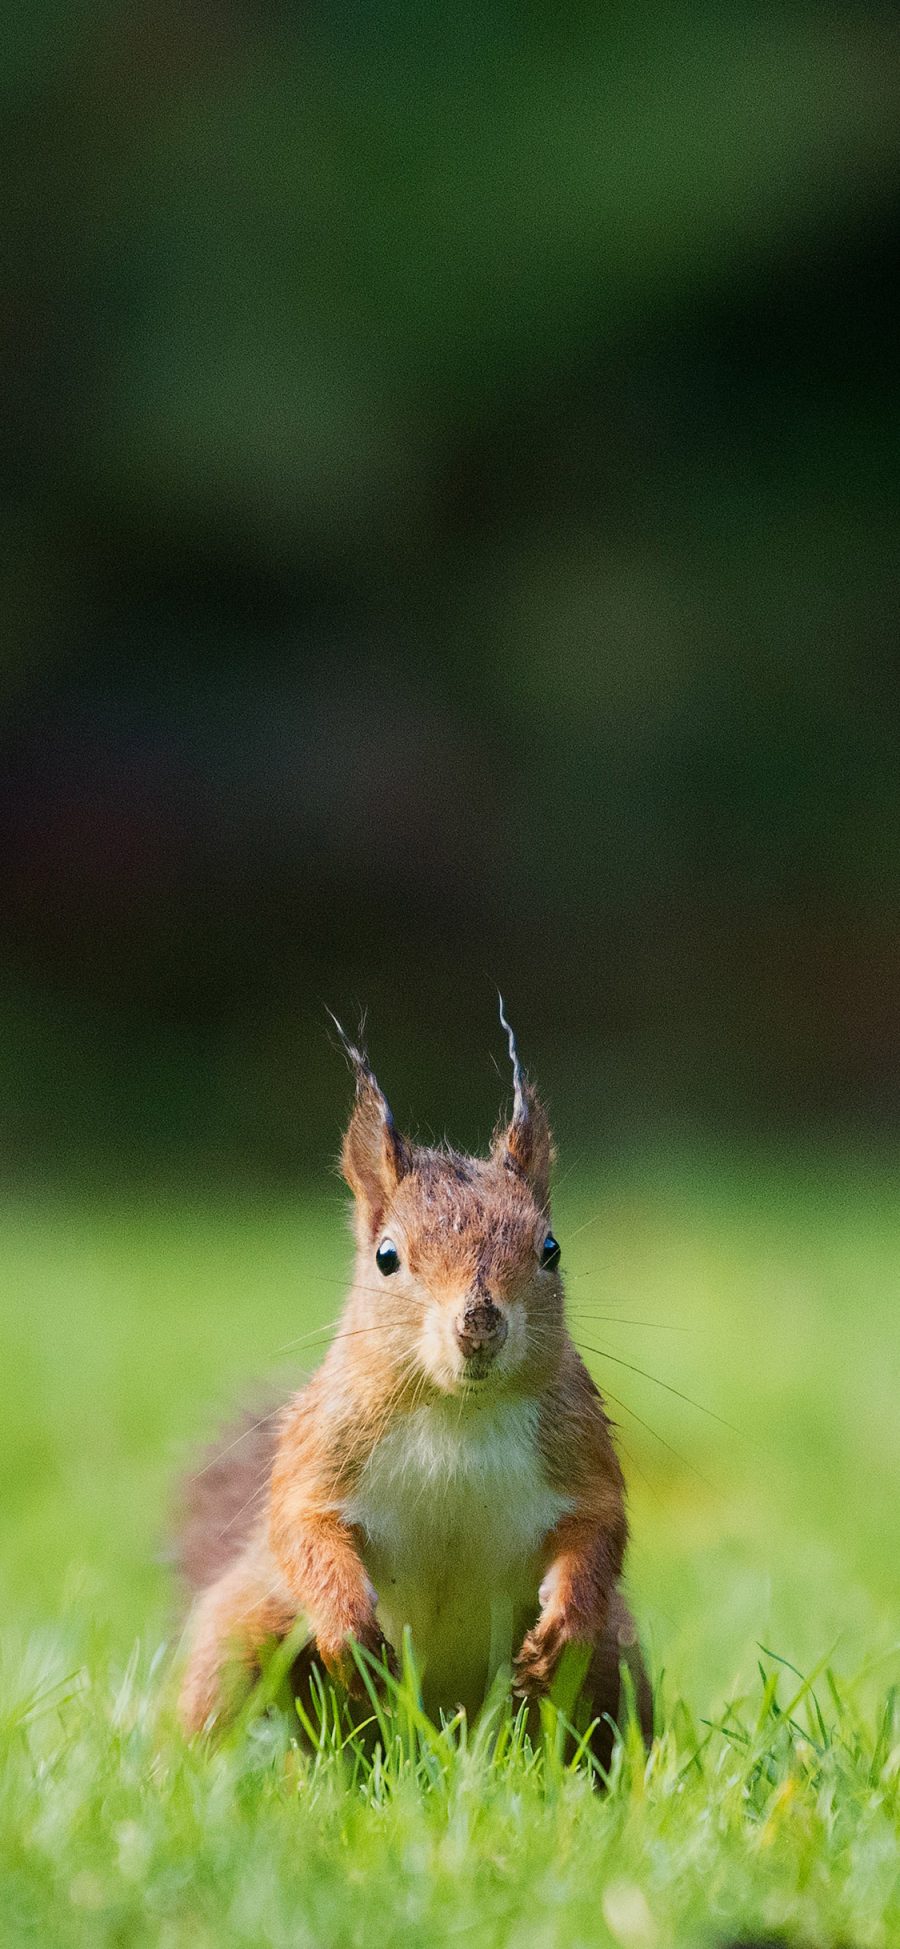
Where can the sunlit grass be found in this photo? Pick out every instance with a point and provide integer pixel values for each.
(770, 1798)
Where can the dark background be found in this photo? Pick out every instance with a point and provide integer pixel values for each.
(450, 509)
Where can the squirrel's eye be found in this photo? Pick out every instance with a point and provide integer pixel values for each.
(549, 1253)
(387, 1258)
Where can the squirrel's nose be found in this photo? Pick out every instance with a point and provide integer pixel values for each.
(481, 1328)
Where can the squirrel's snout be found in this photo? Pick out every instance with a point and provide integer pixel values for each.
(481, 1329)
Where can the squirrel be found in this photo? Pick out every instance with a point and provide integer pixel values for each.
(450, 1466)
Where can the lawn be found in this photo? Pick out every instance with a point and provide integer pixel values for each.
(763, 1569)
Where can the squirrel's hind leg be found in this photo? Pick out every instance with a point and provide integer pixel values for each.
(602, 1693)
(230, 1623)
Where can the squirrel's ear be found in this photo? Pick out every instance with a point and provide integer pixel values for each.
(525, 1144)
(374, 1155)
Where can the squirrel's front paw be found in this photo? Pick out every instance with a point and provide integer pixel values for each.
(542, 1648)
(337, 1655)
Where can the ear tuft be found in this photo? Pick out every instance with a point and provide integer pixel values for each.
(374, 1155)
(525, 1144)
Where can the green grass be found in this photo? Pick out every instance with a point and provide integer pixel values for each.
(769, 1802)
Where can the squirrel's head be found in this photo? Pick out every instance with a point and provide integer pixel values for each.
(457, 1261)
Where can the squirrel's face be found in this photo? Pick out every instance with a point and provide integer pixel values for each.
(464, 1265)
(457, 1260)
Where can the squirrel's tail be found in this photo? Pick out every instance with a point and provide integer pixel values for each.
(222, 1498)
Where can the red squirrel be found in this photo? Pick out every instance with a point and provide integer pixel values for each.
(450, 1467)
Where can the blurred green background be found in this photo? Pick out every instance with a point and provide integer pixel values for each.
(449, 507)
(449, 521)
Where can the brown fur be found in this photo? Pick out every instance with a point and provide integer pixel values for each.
(221, 1499)
(296, 1525)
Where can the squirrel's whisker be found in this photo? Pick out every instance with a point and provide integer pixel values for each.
(622, 1319)
(257, 1495)
(222, 1452)
(604, 1354)
(664, 1443)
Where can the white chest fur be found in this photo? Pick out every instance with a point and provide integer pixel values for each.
(453, 1505)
